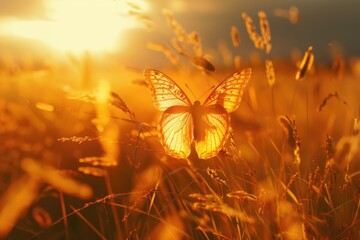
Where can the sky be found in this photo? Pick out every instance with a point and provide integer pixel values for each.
(32, 9)
(322, 23)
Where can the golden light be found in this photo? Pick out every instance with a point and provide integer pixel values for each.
(77, 25)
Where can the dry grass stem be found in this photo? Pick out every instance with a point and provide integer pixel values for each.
(45, 107)
(98, 161)
(328, 97)
(78, 140)
(241, 195)
(225, 54)
(165, 50)
(15, 202)
(55, 178)
(214, 204)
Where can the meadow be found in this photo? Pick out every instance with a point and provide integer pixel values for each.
(80, 156)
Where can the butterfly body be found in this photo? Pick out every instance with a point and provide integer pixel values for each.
(197, 113)
(183, 122)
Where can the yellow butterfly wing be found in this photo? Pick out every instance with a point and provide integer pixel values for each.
(176, 124)
(225, 98)
(165, 92)
(216, 122)
(176, 131)
(228, 94)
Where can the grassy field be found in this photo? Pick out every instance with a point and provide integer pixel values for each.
(80, 156)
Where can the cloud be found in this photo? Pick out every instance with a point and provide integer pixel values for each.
(179, 6)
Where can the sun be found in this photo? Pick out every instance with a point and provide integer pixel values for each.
(78, 25)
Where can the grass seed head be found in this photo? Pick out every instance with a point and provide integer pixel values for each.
(203, 64)
(305, 64)
(346, 150)
(290, 130)
(253, 35)
(94, 171)
(270, 72)
(328, 147)
(292, 14)
(195, 41)
(235, 36)
(41, 217)
(237, 62)
(265, 31)
(214, 175)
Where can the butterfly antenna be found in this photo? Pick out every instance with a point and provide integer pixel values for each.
(191, 91)
(206, 91)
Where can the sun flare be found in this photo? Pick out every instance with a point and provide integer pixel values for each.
(77, 25)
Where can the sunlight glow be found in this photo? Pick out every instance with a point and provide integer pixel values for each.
(77, 25)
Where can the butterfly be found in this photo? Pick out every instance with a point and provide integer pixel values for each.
(183, 122)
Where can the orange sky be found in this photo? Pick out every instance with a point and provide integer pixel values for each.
(321, 23)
